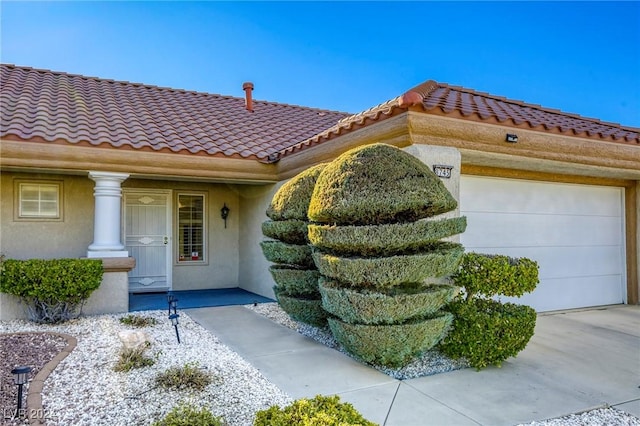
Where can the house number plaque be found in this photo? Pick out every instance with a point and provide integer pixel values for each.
(441, 171)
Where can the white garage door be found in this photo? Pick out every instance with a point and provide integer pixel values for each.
(574, 232)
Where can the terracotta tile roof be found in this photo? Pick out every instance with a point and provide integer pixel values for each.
(466, 104)
(55, 107)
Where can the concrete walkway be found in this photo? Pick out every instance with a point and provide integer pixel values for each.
(577, 360)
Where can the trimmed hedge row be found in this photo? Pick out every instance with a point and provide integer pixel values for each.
(302, 309)
(488, 332)
(377, 184)
(293, 281)
(291, 231)
(384, 240)
(291, 201)
(400, 304)
(386, 272)
(492, 274)
(288, 254)
(391, 345)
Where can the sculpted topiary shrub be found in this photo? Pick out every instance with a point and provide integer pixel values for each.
(294, 272)
(53, 290)
(486, 331)
(380, 252)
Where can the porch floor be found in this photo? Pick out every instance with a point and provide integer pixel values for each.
(195, 299)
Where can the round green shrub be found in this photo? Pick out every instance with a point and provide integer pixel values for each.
(488, 332)
(291, 201)
(490, 275)
(308, 311)
(377, 184)
(319, 411)
(189, 415)
(386, 272)
(392, 345)
(384, 240)
(293, 281)
(291, 231)
(398, 304)
(288, 254)
(53, 290)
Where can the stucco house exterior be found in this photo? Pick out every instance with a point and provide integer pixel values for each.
(139, 175)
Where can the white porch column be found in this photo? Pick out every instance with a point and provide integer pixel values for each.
(106, 226)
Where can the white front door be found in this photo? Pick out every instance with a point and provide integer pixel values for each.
(147, 236)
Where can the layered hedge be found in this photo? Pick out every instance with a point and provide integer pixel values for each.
(306, 310)
(377, 184)
(392, 345)
(291, 201)
(53, 290)
(293, 231)
(288, 254)
(384, 240)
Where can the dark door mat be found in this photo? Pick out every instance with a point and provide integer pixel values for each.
(195, 299)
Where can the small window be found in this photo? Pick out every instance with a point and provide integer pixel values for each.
(39, 200)
(191, 229)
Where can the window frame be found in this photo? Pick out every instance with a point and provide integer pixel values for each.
(18, 213)
(202, 257)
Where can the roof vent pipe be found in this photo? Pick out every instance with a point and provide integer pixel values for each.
(248, 101)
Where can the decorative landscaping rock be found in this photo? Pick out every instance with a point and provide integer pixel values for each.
(377, 184)
(288, 254)
(399, 304)
(132, 339)
(387, 272)
(391, 345)
(292, 281)
(384, 240)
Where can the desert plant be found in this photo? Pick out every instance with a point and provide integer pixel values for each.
(138, 321)
(488, 332)
(377, 184)
(185, 414)
(188, 376)
(318, 411)
(131, 358)
(493, 274)
(53, 290)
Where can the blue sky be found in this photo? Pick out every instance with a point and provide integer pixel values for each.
(579, 57)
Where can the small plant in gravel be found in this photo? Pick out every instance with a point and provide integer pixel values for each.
(319, 411)
(138, 321)
(185, 414)
(189, 376)
(131, 358)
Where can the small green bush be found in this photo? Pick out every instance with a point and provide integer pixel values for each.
(288, 254)
(491, 275)
(392, 345)
(377, 184)
(291, 201)
(488, 332)
(53, 290)
(131, 358)
(189, 415)
(319, 411)
(189, 376)
(138, 321)
(296, 282)
(384, 240)
(308, 311)
(386, 272)
(397, 305)
(288, 231)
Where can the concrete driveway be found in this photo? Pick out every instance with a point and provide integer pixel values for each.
(577, 360)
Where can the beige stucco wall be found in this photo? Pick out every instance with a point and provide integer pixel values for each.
(254, 273)
(69, 237)
(638, 237)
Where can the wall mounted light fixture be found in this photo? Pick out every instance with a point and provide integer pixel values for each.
(512, 138)
(224, 213)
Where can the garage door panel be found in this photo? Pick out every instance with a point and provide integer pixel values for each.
(570, 293)
(574, 232)
(537, 197)
(542, 230)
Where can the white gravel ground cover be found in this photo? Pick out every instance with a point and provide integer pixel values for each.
(84, 389)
